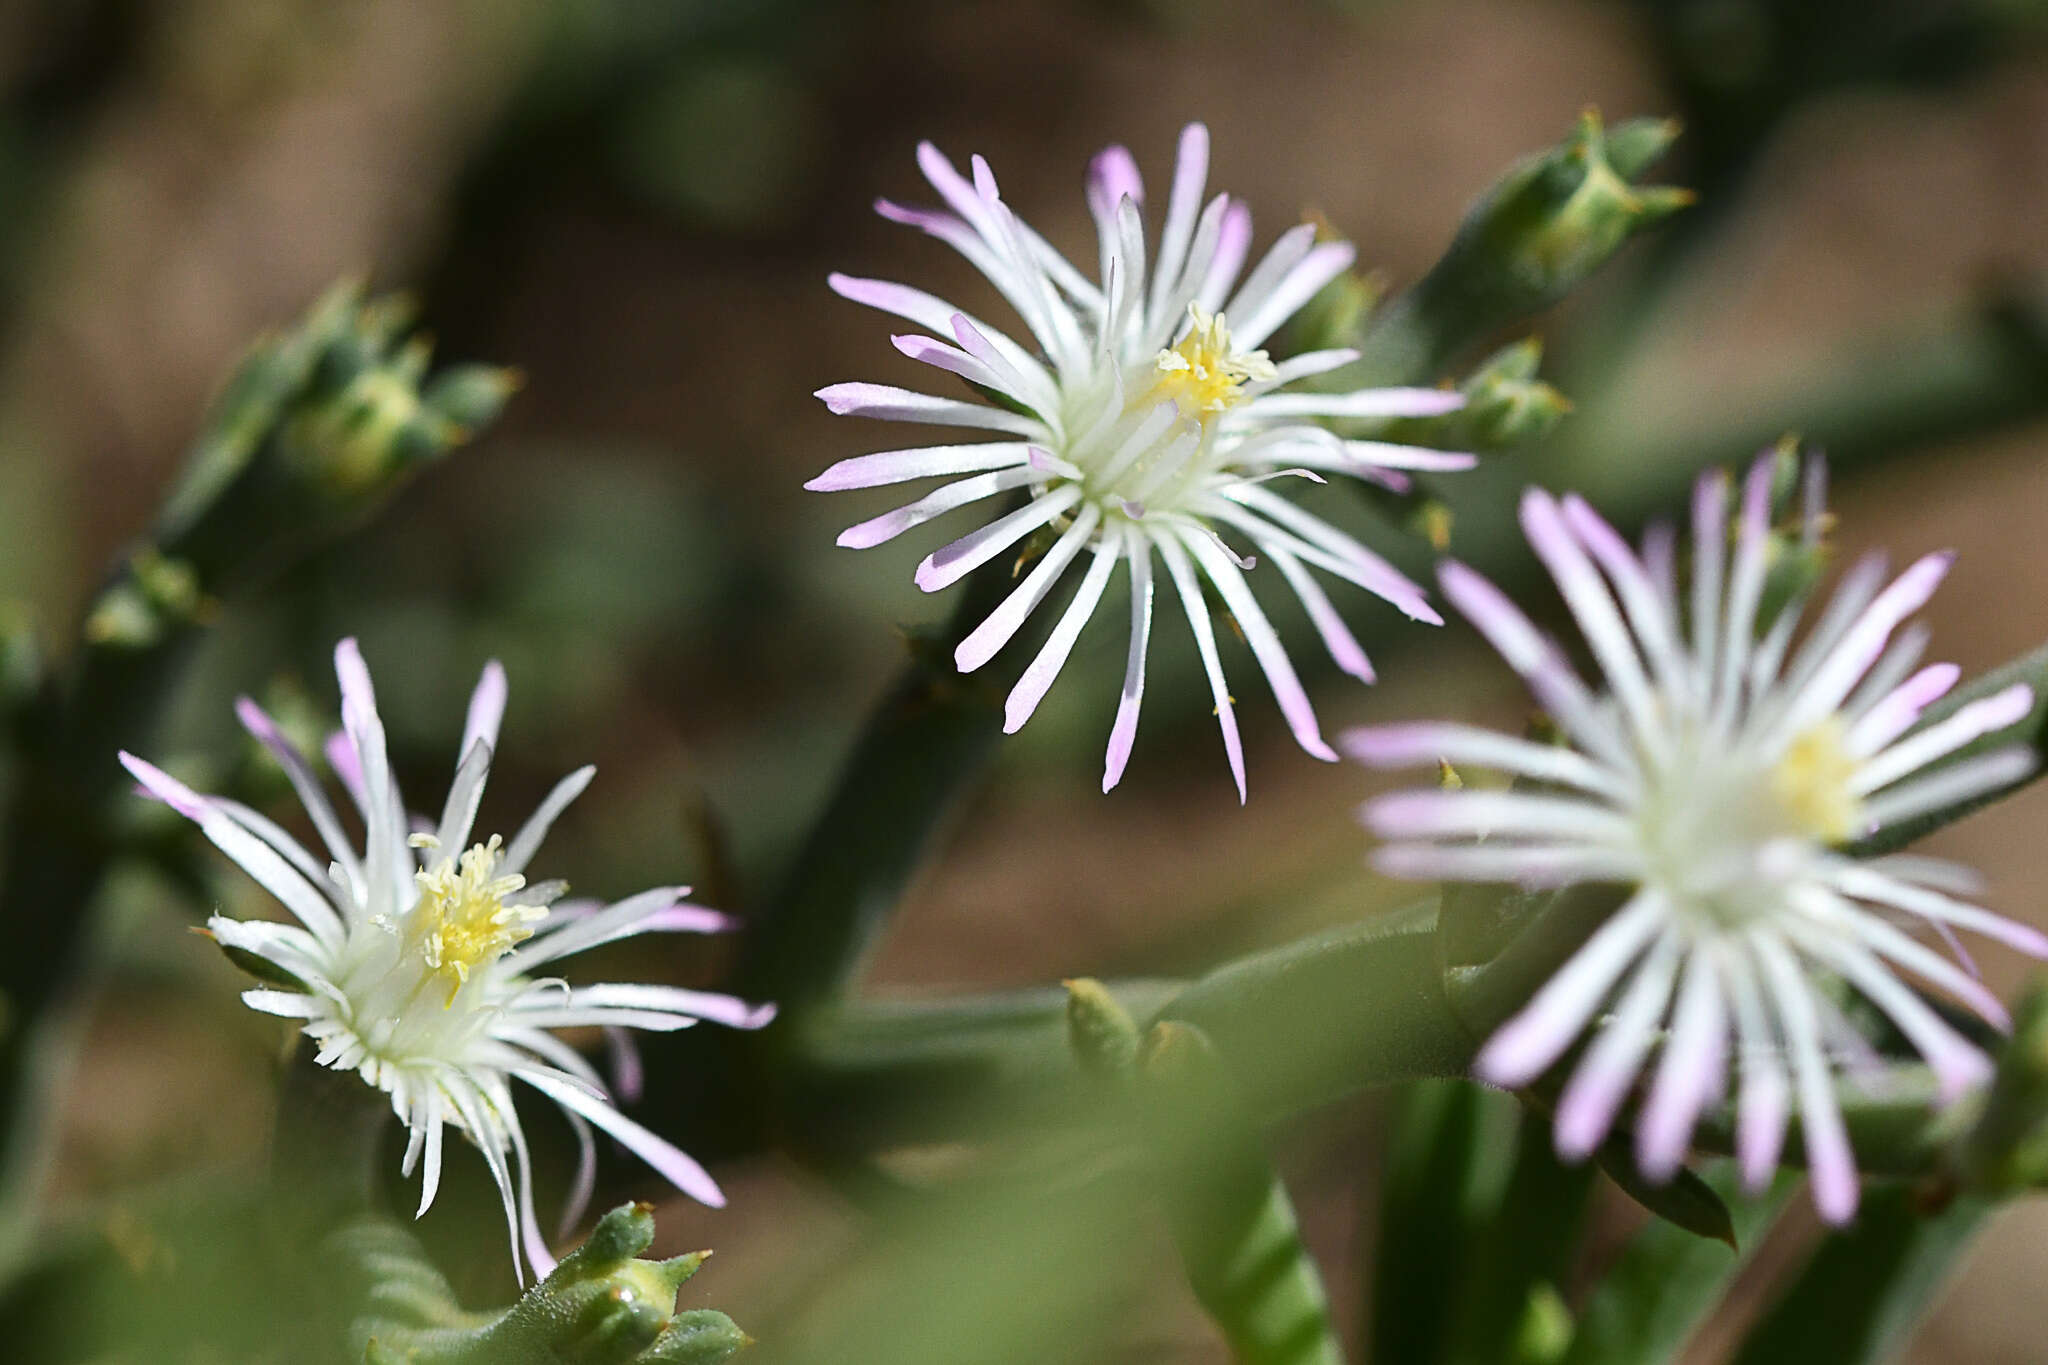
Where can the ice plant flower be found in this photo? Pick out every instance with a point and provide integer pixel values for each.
(1717, 778)
(1140, 416)
(419, 963)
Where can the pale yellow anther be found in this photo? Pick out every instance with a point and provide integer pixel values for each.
(462, 922)
(1811, 783)
(1202, 373)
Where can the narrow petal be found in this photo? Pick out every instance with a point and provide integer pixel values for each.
(1864, 641)
(953, 496)
(951, 563)
(1971, 722)
(1952, 784)
(304, 784)
(1900, 708)
(720, 1009)
(527, 841)
(993, 633)
(1524, 1048)
(1828, 1158)
(1265, 645)
(1184, 201)
(1344, 648)
(1475, 813)
(1398, 746)
(1602, 1080)
(926, 462)
(1123, 733)
(1763, 1103)
(887, 403)
(1360, 403)
(1038, 676)
(1692, 1071)
(486, 709)
(1183, 576)
(270, 869)
(676, 1166)
(1304, 282)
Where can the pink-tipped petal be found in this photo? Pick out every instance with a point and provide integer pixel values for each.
(165, 788)
(1524, 1048)
(486, 708)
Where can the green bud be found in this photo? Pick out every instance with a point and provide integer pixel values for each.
(1796, 555)
(1101, 1031)
(153, 596)
(1546, 225)
(1505, 405)
(699, 1337)
(1544, 1332)
(601, 1306)
(316, 427)
(1635, 146)
(470, 397)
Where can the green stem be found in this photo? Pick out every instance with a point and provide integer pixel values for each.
(1439, 1184)
(928, 739)
(1865, 1287)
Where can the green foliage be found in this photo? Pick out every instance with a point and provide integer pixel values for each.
(1865, 1286)
(601, 1306)
(1230, 1214)
(1666, 1281)
(1532, 237)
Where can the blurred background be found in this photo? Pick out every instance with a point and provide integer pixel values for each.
(636, 202)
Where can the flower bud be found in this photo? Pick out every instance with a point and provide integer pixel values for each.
(1547, 224)
(1101, 1031)
(600, 1306)
(315, 428)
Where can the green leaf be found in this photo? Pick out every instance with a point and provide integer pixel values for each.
(1509, 1284)
(1865, 1287)
(1333, 1013)
(1666, 1280)
(1229, 1212)
(1446, 1157)
(1685, 1201)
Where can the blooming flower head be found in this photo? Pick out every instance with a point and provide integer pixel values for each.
(416, 963)
(1140, 416)
(1716, 777)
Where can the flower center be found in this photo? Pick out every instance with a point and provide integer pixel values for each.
(1811, 783)
(1202, 374)
(462, 922)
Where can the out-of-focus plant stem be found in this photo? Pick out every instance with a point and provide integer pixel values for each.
(315, 429)
(1985, 373)
(1866, 1285)
(920, 750)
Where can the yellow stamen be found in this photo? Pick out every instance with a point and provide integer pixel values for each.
(462, 921)
(1202, 373)
(1811, 783)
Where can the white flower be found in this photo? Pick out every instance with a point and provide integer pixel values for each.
(1140, 416)
(416, 961)
(1718, 778)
